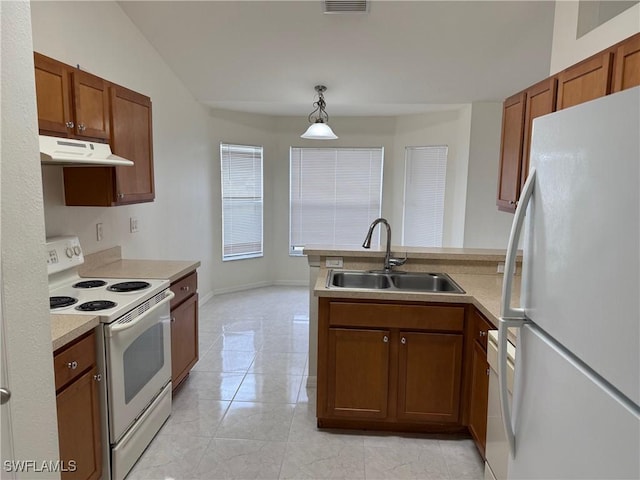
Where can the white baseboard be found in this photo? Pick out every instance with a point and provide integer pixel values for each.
(204, 299)
(291, 283)
(240, 288)
(312, 381)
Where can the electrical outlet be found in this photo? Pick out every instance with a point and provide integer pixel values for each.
(333, 262)
(133, 224)
(99, 232)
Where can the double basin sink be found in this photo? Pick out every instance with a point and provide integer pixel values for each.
(398, 281)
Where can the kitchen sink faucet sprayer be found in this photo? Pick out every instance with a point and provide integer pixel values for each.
(389, 262)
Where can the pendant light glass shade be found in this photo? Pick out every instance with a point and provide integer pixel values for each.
(319, 129)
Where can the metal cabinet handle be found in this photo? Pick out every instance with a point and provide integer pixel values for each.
(98, 377)
(173, 319)
(5, 395)
(69, 124)
(81, 127)
(403, 340)
(385, 339)
(121, 195)
(185, 288)
(483, 333)
(72, 365)
(488, 372)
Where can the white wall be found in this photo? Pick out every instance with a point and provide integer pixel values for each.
(449, 128)
(567, 50)
(180, 223)
(485, 226)
(353, 132)
(185, 220)
(243, 129)
(26, 331)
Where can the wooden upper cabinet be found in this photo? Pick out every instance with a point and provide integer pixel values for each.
(91, 105)
(541, 100)
(511, 151)
(132, 138)
(627, 64)
(585, 81)
(71, 103)
(53, 96)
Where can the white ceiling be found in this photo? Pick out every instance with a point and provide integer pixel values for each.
(401, 57)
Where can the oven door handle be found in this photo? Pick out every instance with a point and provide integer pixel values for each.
(119, 327)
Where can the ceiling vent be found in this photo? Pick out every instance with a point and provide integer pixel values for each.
(346, 6)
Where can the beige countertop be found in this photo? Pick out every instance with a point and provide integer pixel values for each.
(483, 291)
(454, 254)
(65, 328)
(170, 269)
(108, 264)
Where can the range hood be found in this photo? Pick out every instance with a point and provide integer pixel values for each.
(71, 152)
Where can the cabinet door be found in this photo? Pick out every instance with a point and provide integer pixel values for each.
(131, 138)
(511, 152)
(429, 377)
(479, 396)
(184, 339)
(541, 100)
(627, 64)
(52, 96)
(91, 105)
(357, 373)
(79, 428)
(585, 81)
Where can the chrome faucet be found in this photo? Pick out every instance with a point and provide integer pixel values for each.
(389, 262)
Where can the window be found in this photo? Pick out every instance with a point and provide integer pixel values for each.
(424, 183)
(335, 194)
(241, 177)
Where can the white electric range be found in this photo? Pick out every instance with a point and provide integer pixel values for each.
(133, 349)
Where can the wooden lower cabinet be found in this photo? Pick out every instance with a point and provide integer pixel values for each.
(478, 398)
(357, 373)
(478, 378)
(184, 328)
(393, 366)
(429, 377)
(78, 410)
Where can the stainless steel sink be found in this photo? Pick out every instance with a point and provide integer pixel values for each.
(359, 280)
(401, 281)
(427, 282)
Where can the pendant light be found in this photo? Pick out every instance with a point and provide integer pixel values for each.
(319, 128)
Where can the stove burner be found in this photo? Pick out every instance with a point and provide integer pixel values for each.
(59, 302)
(128, 286)
(96, 305)
(90, 284)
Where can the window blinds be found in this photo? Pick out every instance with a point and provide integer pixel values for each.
(242, 203)
(335, 193)
(425, 176)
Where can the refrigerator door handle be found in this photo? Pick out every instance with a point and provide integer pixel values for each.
(507, 422)
(510, 316)
(507, 311)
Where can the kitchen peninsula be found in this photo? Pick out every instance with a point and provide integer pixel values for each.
(393, 359)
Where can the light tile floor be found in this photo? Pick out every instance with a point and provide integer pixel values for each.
(245, 411)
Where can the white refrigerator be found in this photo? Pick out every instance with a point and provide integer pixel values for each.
(575, 411)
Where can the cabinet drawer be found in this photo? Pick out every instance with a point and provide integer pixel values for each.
(183, 288)
(70, 363)
(415, 317)
(480, 328)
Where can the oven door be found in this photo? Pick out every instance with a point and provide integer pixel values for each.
(138, 358)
